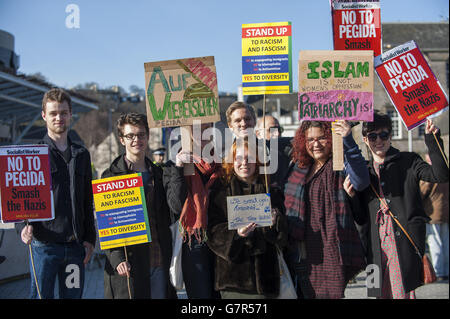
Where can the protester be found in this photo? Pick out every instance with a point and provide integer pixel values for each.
(241, 118)
(246, 258)
(147, 268)
(268, 127)
(324, 250)
(435, 204)
(188, 201)
(395, 176)
(282, 152)
(70, 238)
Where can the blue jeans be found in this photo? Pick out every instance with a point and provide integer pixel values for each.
(197, 263)
(437, 238)
(62, 261)
(158, 283)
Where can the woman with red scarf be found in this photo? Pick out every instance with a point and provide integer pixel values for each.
(187, 197)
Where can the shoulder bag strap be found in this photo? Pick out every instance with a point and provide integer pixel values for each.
(396, 220)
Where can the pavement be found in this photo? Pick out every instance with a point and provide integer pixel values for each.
(19, 289)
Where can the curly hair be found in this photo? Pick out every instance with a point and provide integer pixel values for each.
(300, 154)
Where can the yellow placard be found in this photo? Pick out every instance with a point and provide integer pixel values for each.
(125, 229)
(265, 77)
(124, 242)
(117, 199)
(265, 90)
(264, 46)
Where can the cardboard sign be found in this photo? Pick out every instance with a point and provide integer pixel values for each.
(180, 91)
(243, 210)
(356, 25)
(410, 83)
(335, 85)
(267, 58)
(121, 211)
(338, 150)
(25, 184)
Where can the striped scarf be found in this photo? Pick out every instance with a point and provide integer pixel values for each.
(350, 246)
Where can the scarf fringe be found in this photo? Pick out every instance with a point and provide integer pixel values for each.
(199, 234)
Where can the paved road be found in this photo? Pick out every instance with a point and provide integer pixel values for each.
(19, 289)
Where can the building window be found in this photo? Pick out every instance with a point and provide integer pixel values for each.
(421, 129)
(396, 124)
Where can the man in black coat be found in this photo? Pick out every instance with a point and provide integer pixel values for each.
(62, 246)
(148, 264)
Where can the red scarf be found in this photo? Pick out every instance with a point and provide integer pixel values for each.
(193, 217)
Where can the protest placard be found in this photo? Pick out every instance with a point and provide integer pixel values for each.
(335, 85)
(267, 58)
(181, 91)
(410, 83)
(243, 210)
(356, 25)
(25, 183)
(121, 211)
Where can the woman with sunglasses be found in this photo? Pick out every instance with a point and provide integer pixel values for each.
(395, 177)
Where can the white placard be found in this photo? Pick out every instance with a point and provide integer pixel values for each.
(243, 210)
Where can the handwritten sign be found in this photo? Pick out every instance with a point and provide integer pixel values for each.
(121, 211)
(267, 58)
(181, 91)
(243, 210)
(356, 25)
(411, 84)
(335, 85)
(25, 183)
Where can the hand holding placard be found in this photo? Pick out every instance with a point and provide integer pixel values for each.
(249, 209)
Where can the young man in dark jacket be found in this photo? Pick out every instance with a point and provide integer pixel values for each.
(61, 247)
(148, 264)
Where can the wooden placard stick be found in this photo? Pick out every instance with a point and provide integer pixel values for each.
(338, 150)
(186, 145)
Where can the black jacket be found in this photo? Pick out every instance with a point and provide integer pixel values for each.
(246, 265)
(76, 177)
(283, 155)
(116, 286)
(176, 188)
(399, 176)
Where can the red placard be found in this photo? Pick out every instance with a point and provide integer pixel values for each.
(356, 25)
(267, 31)
(25, 183)
(411, 84)
(114, 184)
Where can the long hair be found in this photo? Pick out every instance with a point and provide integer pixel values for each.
(228, 162)
(299, 152)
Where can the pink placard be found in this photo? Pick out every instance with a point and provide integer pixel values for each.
(336, 105)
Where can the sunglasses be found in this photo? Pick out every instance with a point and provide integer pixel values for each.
(384, 136)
